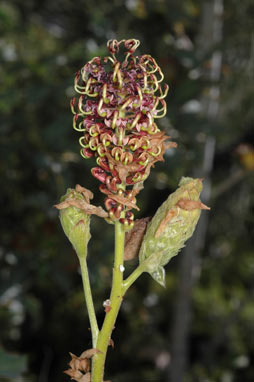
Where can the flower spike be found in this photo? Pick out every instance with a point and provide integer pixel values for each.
(116, 112)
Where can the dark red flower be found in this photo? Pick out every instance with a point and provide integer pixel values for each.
(116, 112)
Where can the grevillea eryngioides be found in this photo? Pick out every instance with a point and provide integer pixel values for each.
(117, 108)
(119, 103)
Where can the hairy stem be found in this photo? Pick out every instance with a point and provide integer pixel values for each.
(115, 303)
(89, 299)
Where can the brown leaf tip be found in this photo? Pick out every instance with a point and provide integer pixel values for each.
(82, 204)
(85, 192)
(190, 205)
(169, 216)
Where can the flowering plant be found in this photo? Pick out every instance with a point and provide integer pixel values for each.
(118, 104)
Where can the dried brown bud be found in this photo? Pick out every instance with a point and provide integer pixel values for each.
(133, 238)
(74, 374)
(74, 363)
(85, 378)
(89, 353)
(85, 365)
(79, 363)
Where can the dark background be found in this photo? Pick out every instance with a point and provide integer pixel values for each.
(201, 327)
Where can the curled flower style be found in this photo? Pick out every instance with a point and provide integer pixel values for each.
(116, 112)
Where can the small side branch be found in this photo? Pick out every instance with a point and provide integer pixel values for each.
(133, 277)
(89, 300)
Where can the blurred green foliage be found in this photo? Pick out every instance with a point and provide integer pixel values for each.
(11, 365)
(42, 312)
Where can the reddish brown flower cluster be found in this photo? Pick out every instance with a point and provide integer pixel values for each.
(116, 111)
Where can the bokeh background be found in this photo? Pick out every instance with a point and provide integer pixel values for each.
(201, 327)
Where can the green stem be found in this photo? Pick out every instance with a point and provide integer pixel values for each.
(89, 299)
(133, 277)
(115, 303)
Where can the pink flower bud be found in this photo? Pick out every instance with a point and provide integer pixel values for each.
(99, 174)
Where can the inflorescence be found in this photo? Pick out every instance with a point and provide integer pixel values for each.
(116, 111)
